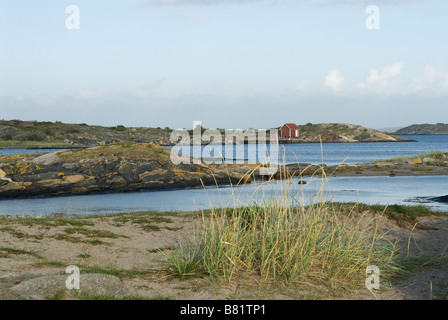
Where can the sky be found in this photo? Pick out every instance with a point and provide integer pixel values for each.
(228, 63)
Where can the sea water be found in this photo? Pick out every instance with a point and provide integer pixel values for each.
(371, 190)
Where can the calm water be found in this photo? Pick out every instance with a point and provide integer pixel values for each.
(335, 153)
(372, 190)
(22, 151)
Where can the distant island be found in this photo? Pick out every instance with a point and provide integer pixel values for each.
(341, 132)
(37, 134)
(46, 134)
(439, 128)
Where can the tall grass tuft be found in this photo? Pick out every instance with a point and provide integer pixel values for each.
(282, 236)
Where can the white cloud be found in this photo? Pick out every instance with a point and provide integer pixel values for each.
(302, 85)
(150, 89)
(334, 80)
(125, 108)
(432, 80)
(426, 80)
(381, 81)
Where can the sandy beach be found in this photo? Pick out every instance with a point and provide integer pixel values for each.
(131, 247)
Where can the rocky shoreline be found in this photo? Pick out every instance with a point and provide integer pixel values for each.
(124, 167)
(132, 167)
(412, 167)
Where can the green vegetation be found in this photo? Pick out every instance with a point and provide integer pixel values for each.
(400, 213)
(275, 240)
(421, 169)
(51, 263)
(65, 237)
(118, 128)
(78, 222)
(59, 295)
(93, 233)
(120, 273)
(47, 222)
(77, 227)
(19, 234)
(271, 241)
(145, 220)
(5, 252)
(436, 155)
(84, 255)
(157, 250)
(347, 170)
(380, 169)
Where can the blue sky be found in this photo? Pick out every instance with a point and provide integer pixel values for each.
(228, 63)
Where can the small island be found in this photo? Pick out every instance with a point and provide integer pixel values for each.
(425, 129)
(428, 164)
(341, 132)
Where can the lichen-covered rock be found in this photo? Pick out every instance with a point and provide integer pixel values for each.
(120, 167)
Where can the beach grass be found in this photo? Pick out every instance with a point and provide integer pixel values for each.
(275, 239)
(398, 212)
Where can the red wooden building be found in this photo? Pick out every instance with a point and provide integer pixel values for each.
(289, 130)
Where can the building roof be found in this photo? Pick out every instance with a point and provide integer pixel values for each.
(291, 126)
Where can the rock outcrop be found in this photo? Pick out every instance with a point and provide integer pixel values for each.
(442, 199)
(429, 164)
(46, 287)
(120, 167)
(337, 132)
(439, 128)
